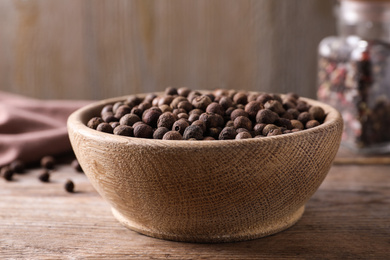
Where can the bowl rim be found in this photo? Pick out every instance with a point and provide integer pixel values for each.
(77, 122)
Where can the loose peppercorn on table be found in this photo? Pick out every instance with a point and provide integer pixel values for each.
(347, 218)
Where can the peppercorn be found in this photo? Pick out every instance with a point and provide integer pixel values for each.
(143, 131)
(201, 124)
(229, 123)
(274, 131)
(252, 96)
(156, 101)
(48, 162)
(239, 130)
(215, 108)
(227, 133)
(114, 124)
(7, 173)
(138, 123)
(186, 105)
(180, 125)
(240, 106)
(116, 106)
(196, 111)
(170, 91)
(220, 120)
(258, 129)
(157, 109)
(275, 106)
(288, 104)
(214, 132)
(166, 100)
(292, 96)
(296, 124)
(243, 135)
(105, 127)
(192, 118)
(268, 128)
(283, 122)
(149, 98)
(242, 122)
(137, 111)
(240, 98)
(175, 102)
(129, 119)
(193, 131)
(302, 106)
(183, 91)
(122, 110)
(107, 108)
(263, 98)
(166, 120)
(294, 112)
(226, 102)
(210, 119)
(252, 108)
(317, 112)
(165, 108)
(312, 123)
(219, 92)
(109, 117)
(231, 93)
(287, 115)
(266, 116)
(69, 186)
(76, 165)
(192, 95)
(172, 135)
(160, 132)
(133, 101)
(150, 117)
(201, 102)
(238, 112)
(44, 176)
(94, 122)
(182, 115)
(144, 106)
(124, 130)
(177, 111)
(17, 166)
(304, 117)
(276, 97)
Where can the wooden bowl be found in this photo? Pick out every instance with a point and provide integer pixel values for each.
(206, 191)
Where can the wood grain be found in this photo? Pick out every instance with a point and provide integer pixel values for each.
(97, 49)
(347, 218)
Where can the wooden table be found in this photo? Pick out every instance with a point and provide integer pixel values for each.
(347, 218)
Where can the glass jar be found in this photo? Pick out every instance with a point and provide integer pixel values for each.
(354, 74)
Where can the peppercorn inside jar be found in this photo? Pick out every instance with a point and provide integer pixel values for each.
(354, 74)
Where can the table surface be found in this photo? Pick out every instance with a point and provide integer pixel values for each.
(347, 218)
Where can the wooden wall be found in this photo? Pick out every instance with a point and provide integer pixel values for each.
(93, 49)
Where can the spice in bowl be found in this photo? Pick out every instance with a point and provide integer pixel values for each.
(180, 114)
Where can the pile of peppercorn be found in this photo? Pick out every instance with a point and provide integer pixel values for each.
(185, 114)
(47, 164)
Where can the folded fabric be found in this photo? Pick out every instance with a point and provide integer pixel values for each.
(32, 128)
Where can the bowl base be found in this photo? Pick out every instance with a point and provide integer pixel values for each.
(258, 231)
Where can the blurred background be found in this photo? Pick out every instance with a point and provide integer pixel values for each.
(95, 49)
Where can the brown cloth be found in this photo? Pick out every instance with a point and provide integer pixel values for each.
(32, 128)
